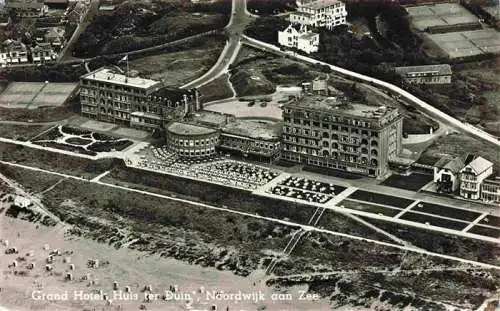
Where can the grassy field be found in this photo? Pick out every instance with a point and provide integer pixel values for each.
(21, 132)
(180, 67)
(54, 161)
(216, 89)
(412, 182)
(370, 208)
(380, 198)
(458, 145)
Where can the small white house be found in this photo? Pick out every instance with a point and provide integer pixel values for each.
(22, 201)
(472, 176)
(300, 38)
(446, 174)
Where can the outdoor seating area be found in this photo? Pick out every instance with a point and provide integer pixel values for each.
(308, 196)
(219, 170)
(312, 185)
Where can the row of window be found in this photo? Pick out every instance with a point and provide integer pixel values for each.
(193, 142)
(113, 86)
(329, 126)
(299, 116)
(195, 153)
(333, 155)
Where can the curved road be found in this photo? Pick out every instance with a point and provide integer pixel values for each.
(430, 110)
(239, 20)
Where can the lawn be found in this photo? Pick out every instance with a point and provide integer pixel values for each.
(491, 220)
(54, 161)
(370, 208)
(216, 89)
(21, 132)
(179, 67)
(380, 198)
(487, 231)
(434, 221)
(412, 182)
(445, 211)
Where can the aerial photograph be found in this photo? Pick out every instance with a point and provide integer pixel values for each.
(250, 155)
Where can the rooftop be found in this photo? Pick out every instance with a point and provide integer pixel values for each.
(319, 4)
(180, 128)
(442, 69)
(341, 106)
(109, 75)
(258, 129)
(308, 35)
(480, 165)
(452, 164)
(210, 118)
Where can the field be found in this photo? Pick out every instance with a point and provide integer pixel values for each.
(445, 211)
(33, 95)
(177, 68)
(370, 208)
(487, 231)
(216, 89)
(413, 182)
(21, 132)
(434, 221)
(54, 161)
(380, 198)
(458, 145)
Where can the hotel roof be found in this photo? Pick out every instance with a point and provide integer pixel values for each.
(256, 129)
(319, 4)
(340, 106)
(187, 129)
(210, 118)
(110, 75)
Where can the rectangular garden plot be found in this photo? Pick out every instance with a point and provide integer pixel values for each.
(445, 211)
(487, 231)
(380, 198)
(434, 221)
(370, 208)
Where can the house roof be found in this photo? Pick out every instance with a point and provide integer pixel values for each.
(442, 69)
(480, 165)
(453, 164)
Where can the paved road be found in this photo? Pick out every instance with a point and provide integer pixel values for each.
(428, 109)
(92, 8)
(239, 20)
(256, 216)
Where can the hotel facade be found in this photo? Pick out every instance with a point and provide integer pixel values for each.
(111, 96)
(332, 133)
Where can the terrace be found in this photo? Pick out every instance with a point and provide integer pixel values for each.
(217, 170)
